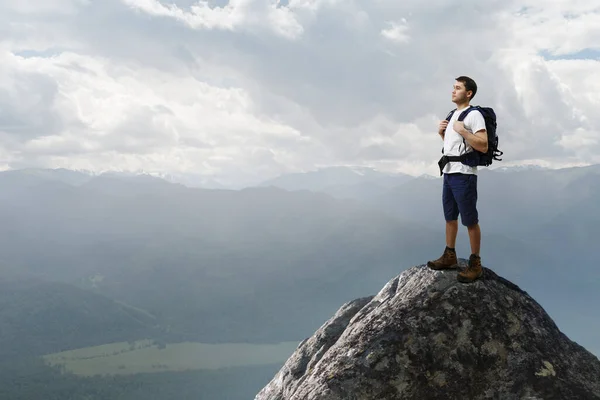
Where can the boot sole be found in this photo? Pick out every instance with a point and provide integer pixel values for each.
(433, 267)
(463, 279)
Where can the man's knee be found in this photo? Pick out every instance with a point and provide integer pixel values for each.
(470, 217)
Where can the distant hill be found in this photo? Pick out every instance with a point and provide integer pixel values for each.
(38, 317)
(32, 380)
(30, 176)
(341, 182)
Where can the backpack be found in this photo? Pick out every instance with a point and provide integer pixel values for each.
(476, 157)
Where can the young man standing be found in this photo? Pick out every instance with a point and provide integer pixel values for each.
(459, 193)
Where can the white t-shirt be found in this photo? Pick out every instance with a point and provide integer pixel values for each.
(455, 145)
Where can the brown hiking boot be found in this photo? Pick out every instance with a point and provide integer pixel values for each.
(473, 270)
(448, 260)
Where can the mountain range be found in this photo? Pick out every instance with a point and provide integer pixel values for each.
(271, 263)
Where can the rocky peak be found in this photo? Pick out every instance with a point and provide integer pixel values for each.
(427, 336)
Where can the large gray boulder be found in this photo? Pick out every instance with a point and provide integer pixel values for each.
(427, 336)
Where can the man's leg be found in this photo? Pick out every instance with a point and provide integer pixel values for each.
(451, 232)
(467, 204)
(450, 210)
(448, 260)
(474, 238)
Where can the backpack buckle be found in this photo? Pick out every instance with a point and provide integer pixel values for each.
(442, 163)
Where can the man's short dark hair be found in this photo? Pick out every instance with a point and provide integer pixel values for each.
(469, 84)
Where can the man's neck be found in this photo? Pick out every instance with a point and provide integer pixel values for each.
(462, 106)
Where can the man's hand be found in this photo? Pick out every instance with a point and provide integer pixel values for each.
(459, 126)
(442, 127)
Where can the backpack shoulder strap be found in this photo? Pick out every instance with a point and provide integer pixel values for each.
(463, 114)
(449, 116)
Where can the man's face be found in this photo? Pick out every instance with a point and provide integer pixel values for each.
(459, 93)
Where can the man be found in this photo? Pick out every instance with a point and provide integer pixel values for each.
(459, 192)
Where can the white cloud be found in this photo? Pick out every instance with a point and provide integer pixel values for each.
(313, 5)
(236, 14)
(202, 15)
(52, 7)
(559, 27)
(580, 84)
(246, 89)
(108, 112)
(397, 32)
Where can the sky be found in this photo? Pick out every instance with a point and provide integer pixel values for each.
(242, 91)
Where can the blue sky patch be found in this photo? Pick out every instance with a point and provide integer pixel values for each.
(586, 54)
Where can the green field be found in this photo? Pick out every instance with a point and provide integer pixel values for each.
(144, 356)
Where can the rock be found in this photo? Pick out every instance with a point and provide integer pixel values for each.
(427, 336)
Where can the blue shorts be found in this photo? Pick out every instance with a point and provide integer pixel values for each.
(459, 196)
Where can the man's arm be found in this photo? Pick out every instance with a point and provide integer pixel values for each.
(477, 140)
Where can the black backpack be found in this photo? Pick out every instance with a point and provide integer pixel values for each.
(476, 157)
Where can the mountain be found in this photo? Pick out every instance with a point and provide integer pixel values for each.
(209, 263)
(197, 181)
(265, 264)
(39, 317)
(214, 265)
(424, 335)
(519, 168)
(135, 185)
(37, 175)
(340, 182)
(32, 380)
(230, 256)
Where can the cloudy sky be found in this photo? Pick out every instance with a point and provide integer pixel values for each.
(245, 90)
